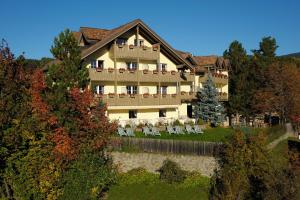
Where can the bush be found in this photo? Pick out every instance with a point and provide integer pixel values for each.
(170, 172)
(177, 123)
(88, 177)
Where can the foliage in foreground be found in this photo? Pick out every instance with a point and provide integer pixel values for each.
(48, 122)
(247, 172)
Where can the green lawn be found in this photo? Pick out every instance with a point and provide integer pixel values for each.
(147, 186)
(279, 153)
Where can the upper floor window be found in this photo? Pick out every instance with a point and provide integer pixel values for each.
(121, 41)
(162, 90)
(131, 89)
(163, 67)
(138, 42)
(97, 64)
(99, 89)
(131, 65)
(100, 64)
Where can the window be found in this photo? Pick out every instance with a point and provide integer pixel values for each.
(121, 41)
(163, 67)
(100, 64)
(93, 64)
(131, 89)
(132, 114)
(163, 89)
(99, 89)
(139, 43)
(162, 113)
(131, 65)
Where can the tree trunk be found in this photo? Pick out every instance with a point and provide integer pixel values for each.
(7, 189)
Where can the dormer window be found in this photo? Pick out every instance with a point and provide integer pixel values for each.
(121, 41)
(93, 64)
(139, 42)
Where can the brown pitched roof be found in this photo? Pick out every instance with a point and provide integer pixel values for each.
(206, 60)
(109, 35)
(94, 33)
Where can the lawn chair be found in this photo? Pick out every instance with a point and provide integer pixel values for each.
(155, 131)
(197, 129)
(171, 130)
(147, 131)
(189, 129)
(121, 132)
(130, 132)
(179, 130)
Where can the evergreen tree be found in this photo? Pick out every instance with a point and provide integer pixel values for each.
(238, 83)
(208, 108)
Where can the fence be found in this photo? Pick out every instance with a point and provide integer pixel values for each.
(166, 146)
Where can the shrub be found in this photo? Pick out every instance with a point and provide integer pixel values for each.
(177, 123)
(170, 172)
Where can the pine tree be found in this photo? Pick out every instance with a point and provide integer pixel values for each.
(208, 108)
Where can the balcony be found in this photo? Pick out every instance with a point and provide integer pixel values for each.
(141, 99)
(187, 96)
(134, 52)
(123, 75)
(217, 79)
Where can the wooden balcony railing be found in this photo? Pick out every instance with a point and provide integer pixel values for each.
(140, 99)
(217, 78)
(123, 75)
(134, 52)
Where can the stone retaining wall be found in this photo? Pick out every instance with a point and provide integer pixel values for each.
(152, 161)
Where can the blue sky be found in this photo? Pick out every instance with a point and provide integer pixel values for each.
(200, 27)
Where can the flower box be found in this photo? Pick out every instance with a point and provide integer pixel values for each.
(155, 48)
(120, 45)
(132, 70)
(110, 70)
(131, 46)
(174, 95)
(122, 95)
(155, 71)
(145, 71)
(164, 95)
(155, 95)
(132, 95)
(164, 72)
(111, 95)
(144, 48)
(183, 93)
(173, 72)
(192, 73)
(191, 93)
(122, 70)
(146, 95)
(99, 69)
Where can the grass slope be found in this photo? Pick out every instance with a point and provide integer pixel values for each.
(139, 184)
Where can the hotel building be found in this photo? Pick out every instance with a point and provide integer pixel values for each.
(141, 77)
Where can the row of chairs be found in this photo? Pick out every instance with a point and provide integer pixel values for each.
(150, 130)
(153, 131)
(125, 132)
(188, 129)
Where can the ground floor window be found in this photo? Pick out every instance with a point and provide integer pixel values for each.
(132, 114)
(162, 113)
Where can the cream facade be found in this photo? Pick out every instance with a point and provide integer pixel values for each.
(139, 76)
